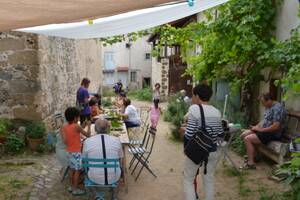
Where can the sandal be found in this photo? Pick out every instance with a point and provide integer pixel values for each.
(247, 167)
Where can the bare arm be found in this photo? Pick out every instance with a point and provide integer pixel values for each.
(83, 132)
(274, 127)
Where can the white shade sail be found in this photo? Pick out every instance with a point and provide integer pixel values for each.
(125, 23)
(27, 13)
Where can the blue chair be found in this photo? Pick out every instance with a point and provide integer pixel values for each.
(88, 163)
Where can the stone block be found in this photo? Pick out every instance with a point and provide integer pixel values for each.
(24, 86)
(165, 87)
(27, 57)
(11, 44)
(4, 75)
(28, 113)
(164, 79)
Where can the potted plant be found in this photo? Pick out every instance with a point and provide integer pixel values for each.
(296, 144)
(5, 125)
(35, 133)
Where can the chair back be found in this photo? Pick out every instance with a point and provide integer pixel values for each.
(150, 139)
(100, 163)
(57, 121)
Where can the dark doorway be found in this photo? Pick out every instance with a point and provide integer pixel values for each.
(146, 82)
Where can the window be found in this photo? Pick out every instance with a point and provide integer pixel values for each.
(132, 76)
(109, 62)
(147, 56)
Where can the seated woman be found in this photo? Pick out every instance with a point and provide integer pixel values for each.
(119, 101)
(130, 116)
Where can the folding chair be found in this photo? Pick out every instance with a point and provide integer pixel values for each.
(142, 153)
(88, 163)
(138, 142)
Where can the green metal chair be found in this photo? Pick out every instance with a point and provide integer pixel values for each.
(88, 163)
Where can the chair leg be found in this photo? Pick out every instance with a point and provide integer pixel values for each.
(65, 174)
(139, 159)
(132, 161)
(144, 164)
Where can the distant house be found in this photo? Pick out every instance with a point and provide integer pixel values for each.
(168, 68)
(129, 62)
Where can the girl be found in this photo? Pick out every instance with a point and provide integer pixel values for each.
(155, 112)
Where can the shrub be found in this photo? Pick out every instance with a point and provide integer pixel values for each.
(5, 126)
(13, 144)
(238, 145)
(144, 94)
(35, 130)
(108, 93)
(106, 102)
(175, 113)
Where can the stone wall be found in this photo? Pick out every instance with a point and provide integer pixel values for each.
(39, 75)
(160, 74)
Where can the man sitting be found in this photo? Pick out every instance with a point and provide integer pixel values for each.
(130, 116)
(270, 129)
(92, 148)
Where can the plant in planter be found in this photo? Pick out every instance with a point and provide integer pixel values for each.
(35, 133)
(5, 127)
(296, 144)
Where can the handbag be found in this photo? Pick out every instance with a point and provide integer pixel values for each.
(201, 144)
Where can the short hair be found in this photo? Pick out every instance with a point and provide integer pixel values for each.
(93, 101)
(122, 94)
(157, 84)
(203, 91)
(126, 102)
(267, 96)
(101, 126)
(71, 113)
(85, 81)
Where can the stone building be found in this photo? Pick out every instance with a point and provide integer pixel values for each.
(127, 61)
(39, 75)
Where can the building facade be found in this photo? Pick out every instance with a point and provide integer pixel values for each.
(129, 62)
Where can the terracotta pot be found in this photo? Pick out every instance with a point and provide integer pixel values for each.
(2, 139)
(34, 143)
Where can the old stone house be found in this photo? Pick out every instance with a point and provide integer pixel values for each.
(129, 62)
(39, 75)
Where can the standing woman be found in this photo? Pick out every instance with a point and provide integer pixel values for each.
(82, 101)
(156, 91)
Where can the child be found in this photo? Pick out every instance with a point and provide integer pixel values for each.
(95, 111)
(155, 112)
(71, 135)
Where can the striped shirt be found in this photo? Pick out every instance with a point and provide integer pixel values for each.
(212, 121)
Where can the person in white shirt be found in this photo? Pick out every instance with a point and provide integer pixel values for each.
(130, 116)
(92, 148)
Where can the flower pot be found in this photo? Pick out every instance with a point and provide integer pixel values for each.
(34, 143)
(2, 139)
(296, 146)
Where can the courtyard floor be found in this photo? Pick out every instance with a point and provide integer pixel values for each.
(34, 177)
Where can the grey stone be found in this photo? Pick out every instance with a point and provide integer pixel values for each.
(24, 86)
(26, 57)
(7, 44)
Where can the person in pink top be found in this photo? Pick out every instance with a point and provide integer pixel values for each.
(155, 112)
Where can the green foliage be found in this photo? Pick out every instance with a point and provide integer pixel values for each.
(35, 130)
(106, 102)
(13, 144)
(5, 126)
(291, 172)
(175, 114)
(231, 44)
(130, 37)
(238, 145)
(144, 94)
(108, 93)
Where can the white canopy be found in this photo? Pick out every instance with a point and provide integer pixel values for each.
(125, 23)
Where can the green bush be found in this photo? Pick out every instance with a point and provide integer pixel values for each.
(175, 114)
(13, 144)
(238, 145)
(106, 102)
(108, 93)
(144, 94)
(5, 126)
(35, 130)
